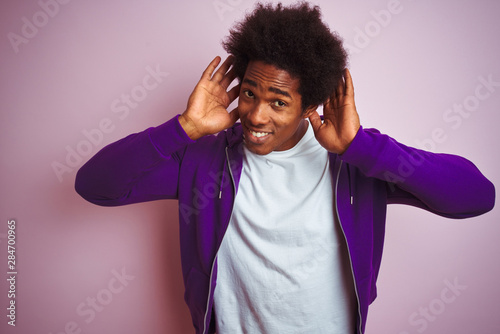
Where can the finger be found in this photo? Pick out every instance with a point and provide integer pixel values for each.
(207, 74)
(228, 78)
(233, 93)
(219, 75)
(326, 104)
(339, 91)
(349, 86)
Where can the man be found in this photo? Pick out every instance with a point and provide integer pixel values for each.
(283, 214)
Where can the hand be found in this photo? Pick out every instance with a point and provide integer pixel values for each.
(341, 120)
(206, 111)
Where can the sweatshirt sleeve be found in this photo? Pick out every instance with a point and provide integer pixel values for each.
(445, 184)
(140, 167)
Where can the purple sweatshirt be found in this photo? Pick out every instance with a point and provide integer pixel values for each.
(164, 163)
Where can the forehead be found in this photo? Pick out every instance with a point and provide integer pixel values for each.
(266, 76)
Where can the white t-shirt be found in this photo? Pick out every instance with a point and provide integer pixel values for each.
(283, 265)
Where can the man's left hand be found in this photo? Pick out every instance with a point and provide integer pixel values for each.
(341, 120)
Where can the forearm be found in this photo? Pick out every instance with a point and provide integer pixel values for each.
(446, 184)
(140, 167)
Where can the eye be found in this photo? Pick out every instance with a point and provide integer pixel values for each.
(279, 104)
(248, 93)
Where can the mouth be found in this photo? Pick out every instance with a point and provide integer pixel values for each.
(256, 137)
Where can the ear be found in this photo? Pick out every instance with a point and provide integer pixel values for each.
(309, 110)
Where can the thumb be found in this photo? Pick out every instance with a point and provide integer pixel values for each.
(235, 115)
(315, 120)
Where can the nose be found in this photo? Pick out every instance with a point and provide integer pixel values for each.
(258, 116)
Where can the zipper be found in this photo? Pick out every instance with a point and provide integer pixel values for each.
(216, 254)
(347, 244)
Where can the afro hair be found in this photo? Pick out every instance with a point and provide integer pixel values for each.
(293, 39)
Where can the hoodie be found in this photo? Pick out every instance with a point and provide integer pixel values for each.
(203, 175)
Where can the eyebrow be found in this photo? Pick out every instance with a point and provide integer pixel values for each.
(271, 89)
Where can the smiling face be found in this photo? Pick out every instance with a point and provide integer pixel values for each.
(270, 109)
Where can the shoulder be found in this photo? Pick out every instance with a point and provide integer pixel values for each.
(212, 143)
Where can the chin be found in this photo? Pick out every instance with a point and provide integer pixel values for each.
(258, 150)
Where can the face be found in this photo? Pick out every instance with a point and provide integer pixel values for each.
(270, 109)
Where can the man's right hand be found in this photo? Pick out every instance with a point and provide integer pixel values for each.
(206, 111)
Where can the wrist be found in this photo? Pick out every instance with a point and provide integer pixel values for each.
(189, 127)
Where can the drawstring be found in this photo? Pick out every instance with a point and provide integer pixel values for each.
(222, 179)
(223, 175)
(349, 177)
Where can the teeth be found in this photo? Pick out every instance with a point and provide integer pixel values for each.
(258, 134)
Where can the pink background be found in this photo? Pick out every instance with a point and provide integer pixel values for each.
(408, 70)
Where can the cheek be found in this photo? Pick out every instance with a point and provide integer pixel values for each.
(287, 124)
(243, 107)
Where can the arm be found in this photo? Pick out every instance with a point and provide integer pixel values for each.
(445, 184)
(140, 167)
(145, 166)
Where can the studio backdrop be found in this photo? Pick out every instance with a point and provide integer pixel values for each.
(78, 75)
